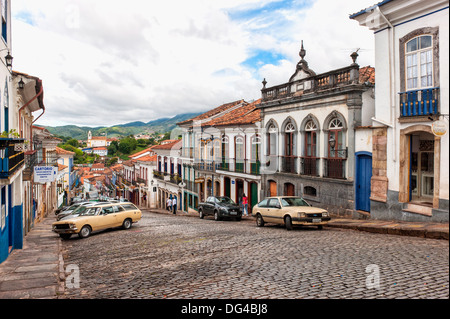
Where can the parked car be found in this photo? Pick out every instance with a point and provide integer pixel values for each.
(220, 207)
(69, 210)
(98, 217)
(289, 211)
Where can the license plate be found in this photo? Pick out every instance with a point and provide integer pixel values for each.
(233, 213)
(316, 220)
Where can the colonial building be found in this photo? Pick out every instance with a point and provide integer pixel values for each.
(168, 173)
(98, 141)
(410, 144)
(221, 153)
(314, 128)
(65, 158)
(12, 146)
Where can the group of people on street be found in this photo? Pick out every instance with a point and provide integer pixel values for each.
(171, 204)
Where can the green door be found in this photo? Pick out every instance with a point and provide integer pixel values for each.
(253, 195)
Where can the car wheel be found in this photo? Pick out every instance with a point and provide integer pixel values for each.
(259, 220)
(85, 231)
(216, 215)
(126, 224)
(200, 212)
(319, 227)
(288, 222)
(65, 236)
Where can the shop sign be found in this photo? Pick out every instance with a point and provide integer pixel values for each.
(439, 128)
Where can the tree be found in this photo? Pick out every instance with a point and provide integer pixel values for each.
(73, 142)
(113, 148)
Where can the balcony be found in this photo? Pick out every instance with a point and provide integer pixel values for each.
(330, 80)
(309, 166)
(12, 156)
(243, 166)
(334, 168)
(289, 164)
(423, 102)
(167, 177)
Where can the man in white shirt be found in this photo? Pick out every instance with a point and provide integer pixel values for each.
(174, 204)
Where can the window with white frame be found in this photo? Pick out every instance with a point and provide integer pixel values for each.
(419, 62)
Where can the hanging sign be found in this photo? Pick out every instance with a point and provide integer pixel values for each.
(439, 128)
(44, 174)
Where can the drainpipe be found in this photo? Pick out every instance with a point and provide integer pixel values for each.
(41, 92)
(392, 81)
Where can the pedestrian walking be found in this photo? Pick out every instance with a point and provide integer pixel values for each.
(174, 204)
(245, 205)
(169, 203)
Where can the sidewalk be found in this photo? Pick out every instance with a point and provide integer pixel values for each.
(416, 229)
(34, 271)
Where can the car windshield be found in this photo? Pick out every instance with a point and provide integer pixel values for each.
(225, 200)
(85, 211)
(293, 201)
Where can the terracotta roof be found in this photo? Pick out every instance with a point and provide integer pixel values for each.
(148, 158)
(367, 74)
(246, 114)
(117, 167)
(173, 145)
(98, 165)
(63, 151)
(141, 152)
(212, 112)
(61, 167)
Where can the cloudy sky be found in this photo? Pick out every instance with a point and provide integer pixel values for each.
(108, 62)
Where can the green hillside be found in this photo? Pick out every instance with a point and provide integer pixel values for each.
(162, 125)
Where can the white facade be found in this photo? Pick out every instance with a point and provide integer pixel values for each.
(410, 172)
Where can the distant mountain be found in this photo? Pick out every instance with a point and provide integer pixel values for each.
(161, 125)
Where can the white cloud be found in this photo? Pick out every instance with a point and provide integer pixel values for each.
(108, 62)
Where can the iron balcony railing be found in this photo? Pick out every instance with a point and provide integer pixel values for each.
(244, 166)
(422, 102)
(12, 157)
(334, 168)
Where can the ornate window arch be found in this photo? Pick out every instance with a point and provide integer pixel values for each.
(310, 129)
(271, 137)
(335, 128)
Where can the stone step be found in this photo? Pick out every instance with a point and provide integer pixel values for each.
(425, 210)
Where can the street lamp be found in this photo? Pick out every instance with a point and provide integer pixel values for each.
(21, 84)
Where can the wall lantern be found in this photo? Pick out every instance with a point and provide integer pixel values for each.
(332, 142)
(8, 60)
(21, 84)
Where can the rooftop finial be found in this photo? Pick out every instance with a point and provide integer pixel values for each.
(354, 56)
(302, 52)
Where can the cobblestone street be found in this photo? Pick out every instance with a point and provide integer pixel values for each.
(167, 256)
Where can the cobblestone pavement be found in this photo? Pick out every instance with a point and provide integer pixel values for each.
(167, 256)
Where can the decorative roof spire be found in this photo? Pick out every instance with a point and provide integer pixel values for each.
(302, 52)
